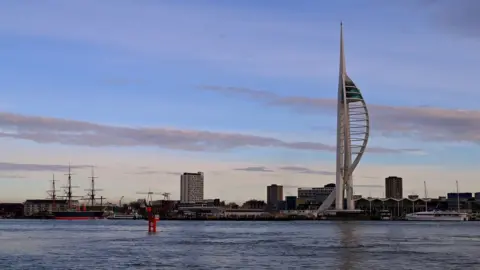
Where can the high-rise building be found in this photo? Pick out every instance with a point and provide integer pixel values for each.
(393, 187)
(353, 126)
(191, 187)
(274, 195)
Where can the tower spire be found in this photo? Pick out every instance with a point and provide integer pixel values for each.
(342, 51)
(353, 127)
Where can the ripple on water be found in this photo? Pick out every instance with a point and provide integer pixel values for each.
(237, 245)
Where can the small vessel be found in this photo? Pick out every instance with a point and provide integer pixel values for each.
(385, 215)
(132, 216)
(78, 215)
(437, 216)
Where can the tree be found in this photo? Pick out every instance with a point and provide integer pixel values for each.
(232, 205)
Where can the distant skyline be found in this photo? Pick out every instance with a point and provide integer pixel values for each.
(241, 90)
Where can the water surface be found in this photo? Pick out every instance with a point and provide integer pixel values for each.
(107, 244)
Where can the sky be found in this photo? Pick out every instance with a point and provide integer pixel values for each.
(243, 91)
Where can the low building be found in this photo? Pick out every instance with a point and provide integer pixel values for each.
(291, 202)
(11, 209)
(316, 194)
(254, 204)
(39, 207)
(281, 205)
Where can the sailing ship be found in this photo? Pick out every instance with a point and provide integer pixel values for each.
(73, 212)
(438, 215)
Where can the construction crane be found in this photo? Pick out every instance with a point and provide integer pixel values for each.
(149, 199)
(166, 196)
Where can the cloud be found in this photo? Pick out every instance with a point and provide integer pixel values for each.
(6, 166)
(173, 173)
(458, 17)
(425, 123)
(144, 170)
(298, 169)
(73, 132)
(254, 169)
(295, 169)
(11, 176)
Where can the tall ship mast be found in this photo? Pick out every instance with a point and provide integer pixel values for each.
(53, 193)
(92, 191)
(69, 187)
(71, 213)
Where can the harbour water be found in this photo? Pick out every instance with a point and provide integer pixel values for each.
(108, 244)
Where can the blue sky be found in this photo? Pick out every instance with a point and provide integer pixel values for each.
(168, 85)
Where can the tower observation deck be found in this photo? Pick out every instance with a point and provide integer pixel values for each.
(353, 128)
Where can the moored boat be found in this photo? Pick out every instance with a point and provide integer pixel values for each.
(78, 215)
(437, 216)
(133, 216)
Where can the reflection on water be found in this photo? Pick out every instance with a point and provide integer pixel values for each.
(348, 240)
(238, 245)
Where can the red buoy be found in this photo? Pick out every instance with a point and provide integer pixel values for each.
(152, 221)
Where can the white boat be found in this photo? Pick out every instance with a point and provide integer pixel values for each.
(437, 216)
(125, 216)
(385, 215)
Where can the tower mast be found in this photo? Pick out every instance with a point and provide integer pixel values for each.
(353, 127)
(340, 185)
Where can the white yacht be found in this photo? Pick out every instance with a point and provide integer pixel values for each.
(132, 216)
(437, 216)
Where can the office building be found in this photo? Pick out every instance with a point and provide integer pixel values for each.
(274, 195)
(191, 187)
(394, 187)
(291, 202)
(315, 194)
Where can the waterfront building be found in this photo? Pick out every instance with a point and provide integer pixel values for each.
(191, 187)
(274, 195)
(394, 187)
(353, 127)
(455, 199)
(291, 202)
(11, 210)
(477, 196)
(315, 194)
(253, 204)
(35, 207)
(281, 205)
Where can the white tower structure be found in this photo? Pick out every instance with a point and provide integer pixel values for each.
(353, 128)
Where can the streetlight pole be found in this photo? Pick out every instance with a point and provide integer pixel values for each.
(120, 202)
